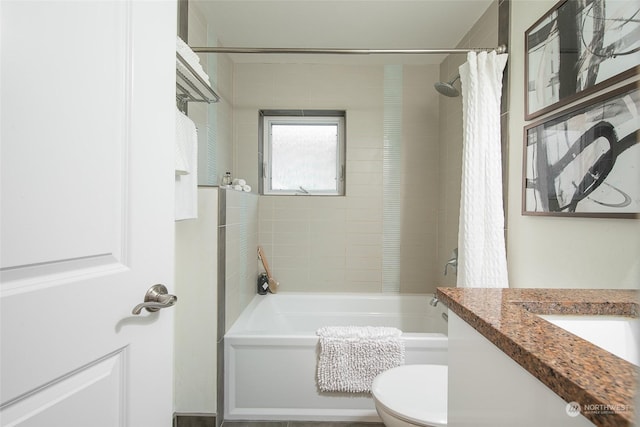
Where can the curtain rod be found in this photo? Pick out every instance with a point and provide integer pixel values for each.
(329, 51)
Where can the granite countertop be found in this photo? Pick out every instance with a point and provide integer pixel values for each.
(573, 368)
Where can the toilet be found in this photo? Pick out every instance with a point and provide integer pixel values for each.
(412, 395)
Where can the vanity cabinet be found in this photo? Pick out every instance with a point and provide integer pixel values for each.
(488, 388)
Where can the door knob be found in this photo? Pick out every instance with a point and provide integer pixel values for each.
(157, 297)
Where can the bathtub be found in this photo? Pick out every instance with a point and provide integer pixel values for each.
(271, 352)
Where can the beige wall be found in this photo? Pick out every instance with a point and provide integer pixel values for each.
(558, 252)
(335, 243)
(195, 352)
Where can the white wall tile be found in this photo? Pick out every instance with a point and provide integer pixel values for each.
(298, 227)
(364, 250)
(344, 233)
(355, 154)
(364, 263)
(327, 214)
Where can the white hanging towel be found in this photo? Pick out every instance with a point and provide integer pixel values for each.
(352, 356)
(186, 165)
(481, 247)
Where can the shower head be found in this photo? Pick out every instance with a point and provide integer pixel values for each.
(447, 89)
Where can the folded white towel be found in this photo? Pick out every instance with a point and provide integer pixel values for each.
(186, 186)
(239, 181)
(351, 356)
(246, 188)
(186, 52)
(192, 59)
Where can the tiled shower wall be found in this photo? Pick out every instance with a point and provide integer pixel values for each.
(239, 226)
(237, 242)
(336, 243)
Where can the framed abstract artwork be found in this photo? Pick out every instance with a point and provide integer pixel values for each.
(577, 48)
(585, 161)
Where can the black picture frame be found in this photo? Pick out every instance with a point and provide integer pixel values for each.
(585, 161)
(578, 48)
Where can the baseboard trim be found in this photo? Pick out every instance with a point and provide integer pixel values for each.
(194, 420)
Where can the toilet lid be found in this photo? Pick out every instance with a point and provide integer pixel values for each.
(414, 393)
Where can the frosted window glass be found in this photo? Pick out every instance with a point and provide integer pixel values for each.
(304, 156)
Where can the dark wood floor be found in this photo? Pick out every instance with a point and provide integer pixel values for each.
(210, 421)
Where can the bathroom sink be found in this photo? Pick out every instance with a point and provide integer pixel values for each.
(619, 335)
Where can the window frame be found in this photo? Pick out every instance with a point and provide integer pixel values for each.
(269, 118)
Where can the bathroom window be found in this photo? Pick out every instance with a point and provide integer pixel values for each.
(303, 152)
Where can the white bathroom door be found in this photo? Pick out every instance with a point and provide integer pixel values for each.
(87, 128)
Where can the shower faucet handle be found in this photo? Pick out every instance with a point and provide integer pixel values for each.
(453, 262)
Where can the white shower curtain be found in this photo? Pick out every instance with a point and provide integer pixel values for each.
(481, 246)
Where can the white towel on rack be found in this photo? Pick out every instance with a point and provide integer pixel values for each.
(186, 133)
(186, 197)
(192, 59)
(181, 144)
(352, 356)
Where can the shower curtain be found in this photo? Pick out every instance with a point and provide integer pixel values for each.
(481, 245)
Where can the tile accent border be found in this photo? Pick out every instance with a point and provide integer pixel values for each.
(392, 151)
(222, 254)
